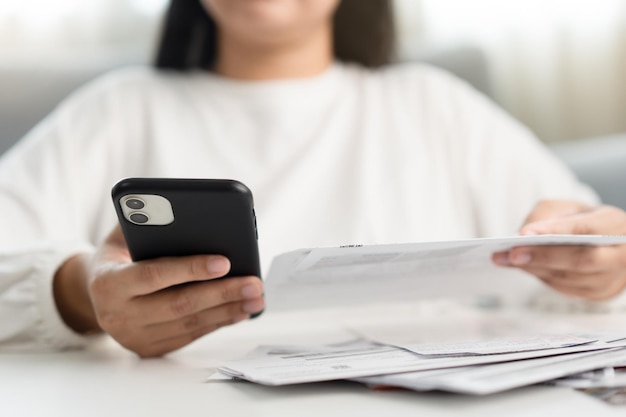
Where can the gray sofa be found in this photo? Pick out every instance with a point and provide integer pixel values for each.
(601, 163)
(29, 94)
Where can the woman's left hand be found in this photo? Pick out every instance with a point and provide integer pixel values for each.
(589, 272)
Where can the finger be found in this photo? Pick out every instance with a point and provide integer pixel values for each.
(116, 237)
(570, 279)
(150, 276)
(161, 347)
(114, 248)
(579, 258)
(501, 259)
(591, 287)
(552, 209)
(179, 302)
(228, 313)
(602, 220)
(591, 294)
(584, 294)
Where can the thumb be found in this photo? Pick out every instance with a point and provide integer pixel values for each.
(554, 209)
(599, 221)
(114, 247)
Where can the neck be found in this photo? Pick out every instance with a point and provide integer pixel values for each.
(297, 59)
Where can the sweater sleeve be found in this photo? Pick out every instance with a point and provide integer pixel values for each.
(508, 171)
(39, 234)
(30, 319)
(55, 203)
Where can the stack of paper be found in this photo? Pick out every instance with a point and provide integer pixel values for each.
(471, 368)
(339, 276)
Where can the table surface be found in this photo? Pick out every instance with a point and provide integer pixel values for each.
(106, 380)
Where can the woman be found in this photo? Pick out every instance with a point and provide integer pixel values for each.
(277, 94)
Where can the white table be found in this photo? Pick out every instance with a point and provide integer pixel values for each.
(109, 381)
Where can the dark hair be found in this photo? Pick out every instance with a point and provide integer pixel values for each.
(363, 34)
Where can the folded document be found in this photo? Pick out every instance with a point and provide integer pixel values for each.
(330, 277)
(377, 364)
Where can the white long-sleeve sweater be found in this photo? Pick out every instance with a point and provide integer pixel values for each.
(401, 154)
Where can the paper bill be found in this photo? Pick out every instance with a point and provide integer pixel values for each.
(280, 366)
(609, 377)
(501, 345)
(482, 380)
(338, 276)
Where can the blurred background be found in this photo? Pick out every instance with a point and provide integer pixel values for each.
(559, 66)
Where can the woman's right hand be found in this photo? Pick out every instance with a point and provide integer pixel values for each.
(142, 304)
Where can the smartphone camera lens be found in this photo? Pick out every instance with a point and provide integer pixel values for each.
(138, 218)
(135, 204)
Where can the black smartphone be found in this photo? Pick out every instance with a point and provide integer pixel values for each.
(163, 217)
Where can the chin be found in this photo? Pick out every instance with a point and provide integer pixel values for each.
(265, 12)
(269, 19)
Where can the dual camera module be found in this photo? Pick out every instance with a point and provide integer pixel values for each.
(147, 209)
(136, 216)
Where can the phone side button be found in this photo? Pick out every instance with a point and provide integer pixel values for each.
(256, 230)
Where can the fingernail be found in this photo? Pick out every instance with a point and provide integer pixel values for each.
(521, 258)
(240, 318)
(528, 232)
(218, 265)
(252, 291)
(253, 306)
(501, 258)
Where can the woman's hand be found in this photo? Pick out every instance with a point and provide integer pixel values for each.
(589, 272)
(143, 306)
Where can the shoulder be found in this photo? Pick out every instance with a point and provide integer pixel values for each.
(115, 107)
(129, 99)
(418, 84)
(127, 83)
(409, 74)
